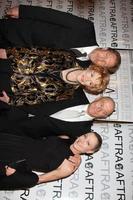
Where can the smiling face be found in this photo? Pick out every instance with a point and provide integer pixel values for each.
(94, 79)
(103, 57)
(89, 78)
(86, 143)
(101, 107)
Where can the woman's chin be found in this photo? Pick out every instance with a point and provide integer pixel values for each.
(80, 82)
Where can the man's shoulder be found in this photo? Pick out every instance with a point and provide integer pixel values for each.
(80, 96)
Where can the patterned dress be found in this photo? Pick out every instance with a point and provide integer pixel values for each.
(36, 75)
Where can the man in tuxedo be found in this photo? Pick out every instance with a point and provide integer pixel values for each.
(72, 118)
(31, 26)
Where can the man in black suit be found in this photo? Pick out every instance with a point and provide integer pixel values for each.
(55, 118)
(39, 26)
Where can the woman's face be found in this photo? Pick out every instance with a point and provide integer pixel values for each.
(86, 143)
(89, 78)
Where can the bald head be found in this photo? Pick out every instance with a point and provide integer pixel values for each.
(101, 107)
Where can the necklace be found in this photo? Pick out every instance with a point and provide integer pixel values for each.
(68, 75)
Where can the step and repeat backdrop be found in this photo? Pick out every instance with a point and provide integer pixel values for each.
(108, 175)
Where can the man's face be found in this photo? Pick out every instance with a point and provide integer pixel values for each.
(103, 57)
(101, 108)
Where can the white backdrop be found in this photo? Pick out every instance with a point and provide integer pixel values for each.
(109, 174)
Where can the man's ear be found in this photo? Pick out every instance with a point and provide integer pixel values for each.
(105, 48)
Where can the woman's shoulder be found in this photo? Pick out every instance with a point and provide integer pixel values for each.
(59, 145)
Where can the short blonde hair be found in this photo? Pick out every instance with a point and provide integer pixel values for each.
(104, 78)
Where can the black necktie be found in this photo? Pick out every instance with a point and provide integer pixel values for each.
(78, 53)
(84, 64)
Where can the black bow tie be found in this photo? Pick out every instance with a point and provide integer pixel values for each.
(78, 53)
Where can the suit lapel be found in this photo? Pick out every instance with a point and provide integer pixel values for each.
(78, 99)
(48, 108)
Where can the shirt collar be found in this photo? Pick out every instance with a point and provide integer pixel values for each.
(86, 50)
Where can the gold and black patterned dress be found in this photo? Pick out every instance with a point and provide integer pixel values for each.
(36, 75)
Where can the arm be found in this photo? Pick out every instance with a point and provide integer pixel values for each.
(18, 180)
(67, 168)
(47, 15)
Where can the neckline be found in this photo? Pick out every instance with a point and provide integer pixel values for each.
(67, 74)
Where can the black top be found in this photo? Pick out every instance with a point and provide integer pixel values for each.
(41, 155)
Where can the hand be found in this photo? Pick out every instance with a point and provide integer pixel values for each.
(9, 171)
(69, 166)
(13, 12)
(5, 98)
(3, 54)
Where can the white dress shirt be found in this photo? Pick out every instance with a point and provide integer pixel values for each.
(73, 114)
(86, 50)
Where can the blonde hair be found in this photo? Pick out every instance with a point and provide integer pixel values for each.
(104, 78)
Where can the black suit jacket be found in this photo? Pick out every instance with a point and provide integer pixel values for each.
(41, 124)
(44, 125)
(10, 118)
(39, 26)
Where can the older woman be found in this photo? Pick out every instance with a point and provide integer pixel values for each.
(32, 76)
(55, 156)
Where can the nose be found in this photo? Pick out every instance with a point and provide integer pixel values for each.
(99, 108)
(101, 111)
(81, 140)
